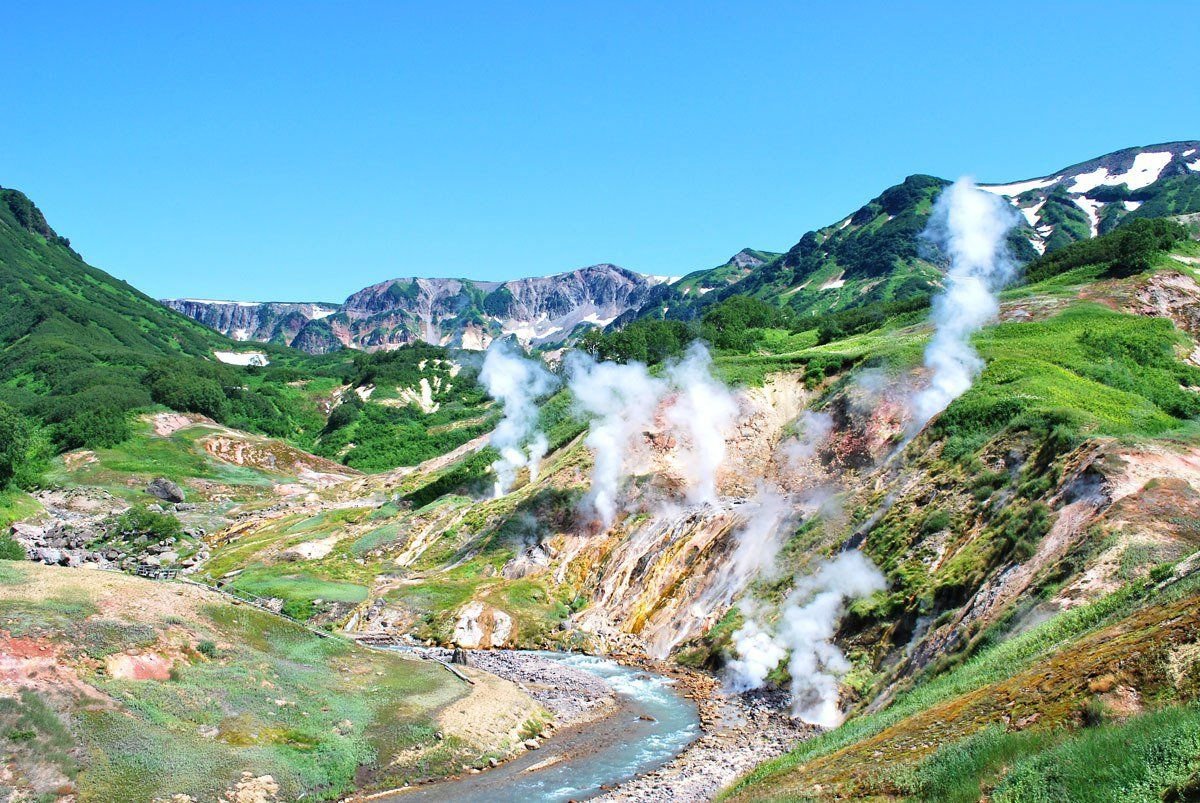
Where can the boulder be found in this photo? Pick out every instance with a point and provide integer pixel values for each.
(29, 532)
(50, 556)
(164, 489)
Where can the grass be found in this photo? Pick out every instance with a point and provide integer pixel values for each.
(297, 589)
(1134, 760)
(994, 663)
(16, 505)
(1128, 762)
(124, 469)
(248, 692)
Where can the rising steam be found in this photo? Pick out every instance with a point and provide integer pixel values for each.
(517, 381)
(970, 225)
(805, 632)
(702, 413)
(621, 399)
(756, 543)
(812, 431)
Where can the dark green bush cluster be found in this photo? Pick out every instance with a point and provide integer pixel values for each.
(836, 325)
(648, 340)
(386, 437)
(374, 437)
(733, 324)
(1129, 249)
(140, 522)
(23, 451)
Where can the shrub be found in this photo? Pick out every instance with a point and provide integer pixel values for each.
(1128, 250)
(10, 549)
(139, 521)
(16, 435)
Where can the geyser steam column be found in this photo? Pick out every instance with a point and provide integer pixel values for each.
(517, 382)
(971, 226)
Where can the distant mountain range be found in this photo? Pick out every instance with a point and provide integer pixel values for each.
(874, 254)
(449, 312)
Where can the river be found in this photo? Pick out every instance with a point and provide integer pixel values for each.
(651, 725)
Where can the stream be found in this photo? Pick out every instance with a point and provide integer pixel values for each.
(651, 725)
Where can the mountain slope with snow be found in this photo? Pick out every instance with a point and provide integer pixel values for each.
(451, 312)
(876, 254)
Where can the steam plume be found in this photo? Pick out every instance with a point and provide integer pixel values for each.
(813, 430)
(805, 632)
(703, 411)
(758, 651)
(517, 381)
(621, 399)
(758, 541)
(971, 226)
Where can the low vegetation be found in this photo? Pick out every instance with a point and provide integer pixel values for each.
(194, 691)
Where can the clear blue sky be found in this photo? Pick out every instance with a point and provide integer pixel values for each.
(300, 150)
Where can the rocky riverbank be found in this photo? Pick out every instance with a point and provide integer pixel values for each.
(572, 695)
(739, 732)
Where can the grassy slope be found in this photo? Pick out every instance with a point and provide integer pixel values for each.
(1042, 361)
(246, 692)
(1043, 680)
(1060, 361)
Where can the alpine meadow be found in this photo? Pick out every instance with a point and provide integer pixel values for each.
(908, 510)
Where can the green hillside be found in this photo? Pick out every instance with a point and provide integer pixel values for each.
(876, 254)
(81, 351)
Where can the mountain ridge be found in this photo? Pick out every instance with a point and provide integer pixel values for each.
(466, 313)
(871, 255)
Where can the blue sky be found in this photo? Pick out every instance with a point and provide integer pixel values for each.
(303, 150)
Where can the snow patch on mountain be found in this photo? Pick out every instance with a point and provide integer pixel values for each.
(1092, 210)
(1016, 188)
(1147, 167)
(242, 357)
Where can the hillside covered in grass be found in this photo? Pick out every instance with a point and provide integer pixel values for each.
(877, 256)
(126, 689)
(1034, 538)
(82, 354)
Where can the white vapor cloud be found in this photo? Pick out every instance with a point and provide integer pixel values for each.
(517, 382)
(814, 429)
(970, 225)
(621, 399)
(756, 543)
(703, 413)
(758, 651)
(805, 633)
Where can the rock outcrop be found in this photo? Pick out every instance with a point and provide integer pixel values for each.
(450, 312)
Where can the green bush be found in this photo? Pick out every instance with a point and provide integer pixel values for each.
(10, 549)
(16, 439)
(1129, 249)
(140, 521)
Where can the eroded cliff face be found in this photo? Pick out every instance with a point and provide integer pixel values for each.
(277, 322)
(448, 312)
(1027, 526)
